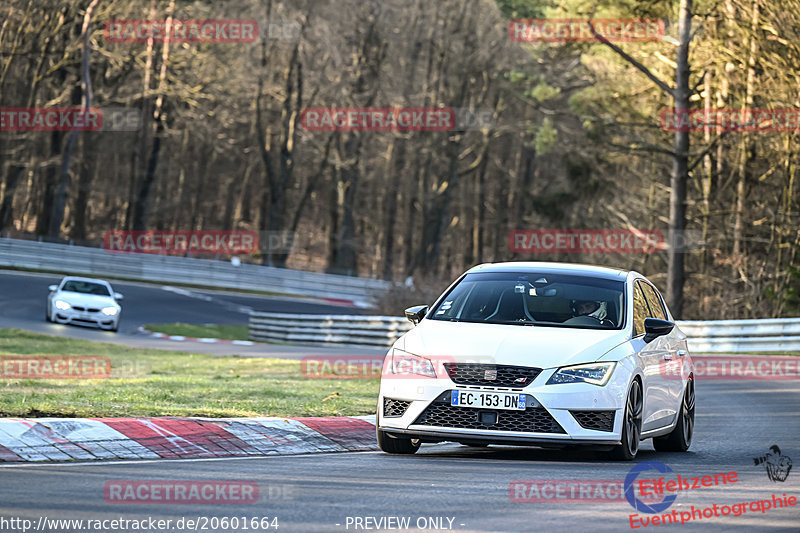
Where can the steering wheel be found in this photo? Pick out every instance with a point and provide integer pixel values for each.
(585, 320)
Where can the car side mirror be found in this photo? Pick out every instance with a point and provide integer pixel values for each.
(655, 327)
(52, 288)
(417, 313)
(118, 296)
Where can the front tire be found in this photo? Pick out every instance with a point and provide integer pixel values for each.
(680, 438)
(397, 445)
(631, 425)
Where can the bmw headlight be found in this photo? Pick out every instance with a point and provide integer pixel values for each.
(110, 311)
(61, 304)
(594, 373)
(406, 363)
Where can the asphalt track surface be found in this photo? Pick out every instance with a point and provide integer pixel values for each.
(23, 297)
(737, 421)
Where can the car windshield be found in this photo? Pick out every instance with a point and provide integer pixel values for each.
(86, 287)
(535, 299)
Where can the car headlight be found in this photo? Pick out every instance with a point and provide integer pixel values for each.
(110, 311)
(61, 304)
(594, 373)
(406, 363)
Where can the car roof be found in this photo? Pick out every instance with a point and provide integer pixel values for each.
(92, 280)
(554, 268)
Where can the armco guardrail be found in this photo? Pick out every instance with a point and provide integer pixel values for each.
(733, 336)
(728, 336)
(378, 331)
(80, 260)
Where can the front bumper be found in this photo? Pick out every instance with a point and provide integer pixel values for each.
(473, 437)
(84, 318)
(571, 408)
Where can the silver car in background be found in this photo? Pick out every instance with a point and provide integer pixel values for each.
(84, 301)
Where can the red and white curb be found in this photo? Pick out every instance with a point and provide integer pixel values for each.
(193, 339)
(80, 439)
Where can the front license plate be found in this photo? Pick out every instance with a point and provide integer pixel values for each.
(488, 400)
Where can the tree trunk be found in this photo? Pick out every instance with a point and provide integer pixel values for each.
(134, 188)
(680, 167)
(345, 259)
(142, 205)
(391, 200)
(745, 147)
(334, 204)
(310, 187)
(45, 211)
(86, 99)
(79, 214)
(7, 194)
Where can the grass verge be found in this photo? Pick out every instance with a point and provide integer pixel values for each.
(162, 383)
(214, 331)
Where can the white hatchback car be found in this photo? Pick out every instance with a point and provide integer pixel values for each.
(84, 301)
(544, 354)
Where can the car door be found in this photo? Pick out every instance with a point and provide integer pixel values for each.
(650, 357)
(672, 346)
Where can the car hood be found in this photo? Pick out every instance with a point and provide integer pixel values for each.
(539, 346)
(85, 300)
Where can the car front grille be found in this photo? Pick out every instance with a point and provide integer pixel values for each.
(597, 420)
(91, 309)
(491, 375)
(394, 408)
(532, 420)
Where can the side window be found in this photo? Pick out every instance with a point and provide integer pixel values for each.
(451, 305)
(640, 311)
(656, 308)
(481, 303)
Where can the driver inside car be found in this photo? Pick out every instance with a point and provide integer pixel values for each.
(585, 307)
(591, 308)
